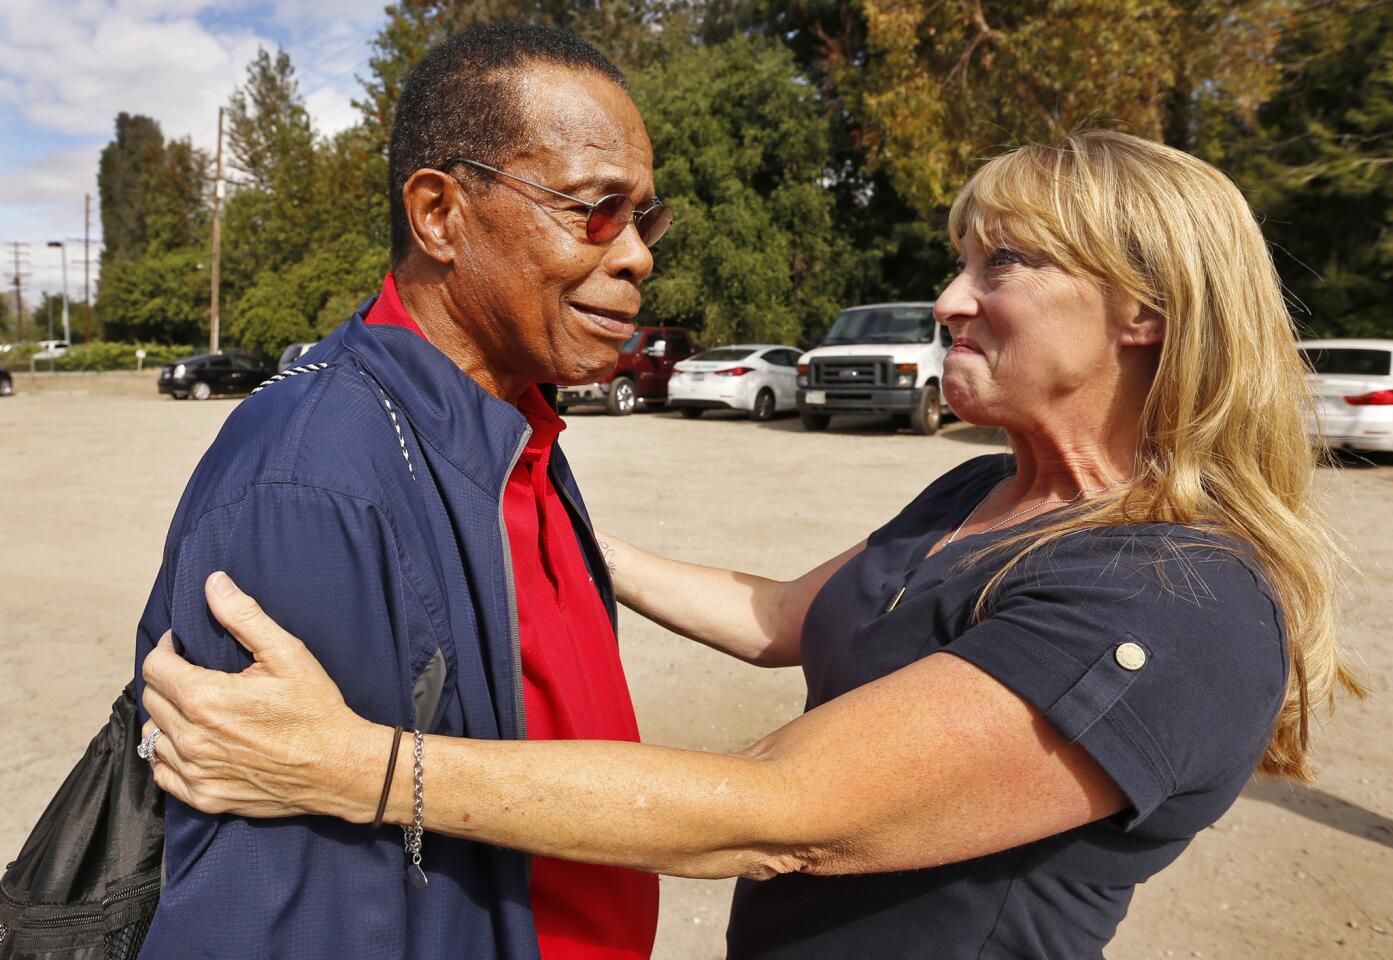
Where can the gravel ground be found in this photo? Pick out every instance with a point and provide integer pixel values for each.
(91, 467)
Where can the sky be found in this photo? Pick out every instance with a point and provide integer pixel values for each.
(67, 67)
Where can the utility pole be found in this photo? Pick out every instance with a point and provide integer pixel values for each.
(20, 250)
(216, 271)
(87, 266)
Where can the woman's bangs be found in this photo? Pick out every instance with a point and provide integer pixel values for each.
(1011, 202)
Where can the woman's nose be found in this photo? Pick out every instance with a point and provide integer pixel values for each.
(957, 303)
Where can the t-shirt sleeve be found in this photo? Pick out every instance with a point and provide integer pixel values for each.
(1164, 659)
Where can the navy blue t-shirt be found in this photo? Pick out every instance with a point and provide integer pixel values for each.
(1159, 648)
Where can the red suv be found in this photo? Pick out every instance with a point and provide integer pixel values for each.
(645, 365)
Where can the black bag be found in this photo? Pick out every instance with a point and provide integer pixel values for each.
(87, 881)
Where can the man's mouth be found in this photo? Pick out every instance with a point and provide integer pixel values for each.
(615, 323)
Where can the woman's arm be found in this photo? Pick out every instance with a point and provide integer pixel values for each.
(935, 763)
(753, 618)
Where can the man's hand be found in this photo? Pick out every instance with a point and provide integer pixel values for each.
(272, 741)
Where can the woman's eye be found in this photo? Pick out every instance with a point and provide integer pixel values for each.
(1003, 258)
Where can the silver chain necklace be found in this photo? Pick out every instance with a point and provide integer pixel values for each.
(1043, 503)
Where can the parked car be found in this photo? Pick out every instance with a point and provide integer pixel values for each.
(758, 378)
(645, 365)
(1353, 385)
(292, 354)
(7, 384)
(201, 377)
(880, 358)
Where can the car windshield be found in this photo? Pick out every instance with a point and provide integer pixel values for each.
(631, 344)
(883, 325)
(1349, 362)
(724, 354)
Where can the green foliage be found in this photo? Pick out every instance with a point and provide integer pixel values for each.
(161, 296)
(6, 316)
(1320, 171)
(102, 355)
(742, 147)
(308, 299)
(151, 192)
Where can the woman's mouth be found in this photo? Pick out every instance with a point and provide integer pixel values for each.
(964, 345)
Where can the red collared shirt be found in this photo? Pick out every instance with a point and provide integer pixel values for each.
(573, 686)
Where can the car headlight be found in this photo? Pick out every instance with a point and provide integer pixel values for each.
(906, 374)
(178, 370)
(803, 369)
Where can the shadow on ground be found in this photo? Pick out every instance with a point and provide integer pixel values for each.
(1324, 808)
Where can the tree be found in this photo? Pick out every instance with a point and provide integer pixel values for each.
(151, 192)
(742, 149)
(938, 86)
(6, 316)
(629, 32)
(307, 299)
(160, 296)
(1320, 169)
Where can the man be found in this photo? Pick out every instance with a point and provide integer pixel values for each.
(400, 492)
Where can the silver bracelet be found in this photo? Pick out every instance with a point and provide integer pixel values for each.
(412, 841)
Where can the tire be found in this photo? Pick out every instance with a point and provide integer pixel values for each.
(928, 416)
(623, 397)
(763, 410)
(200, 390)
(178, 396)
(814, 421)
(561, 408)
(6, 388)
(692, 413)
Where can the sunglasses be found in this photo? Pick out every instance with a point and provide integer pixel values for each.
(607, 217)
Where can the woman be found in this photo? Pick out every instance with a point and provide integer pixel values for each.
(1027, 692)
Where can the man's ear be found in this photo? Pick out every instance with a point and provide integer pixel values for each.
(432, 200)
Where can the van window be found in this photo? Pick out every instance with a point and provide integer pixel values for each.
(945, 336)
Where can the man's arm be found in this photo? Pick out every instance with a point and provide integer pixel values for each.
(329, 563)
(752, 618)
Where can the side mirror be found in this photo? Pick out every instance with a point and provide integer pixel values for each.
(657, 351)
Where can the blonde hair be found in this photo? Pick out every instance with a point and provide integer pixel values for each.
(1225, 447)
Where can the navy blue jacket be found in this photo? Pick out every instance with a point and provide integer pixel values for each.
(360, 501)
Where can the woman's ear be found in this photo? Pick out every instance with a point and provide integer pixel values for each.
(1142, 326)
(432, 199)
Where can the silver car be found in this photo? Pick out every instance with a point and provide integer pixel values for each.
(1353, 385)
(760, 379)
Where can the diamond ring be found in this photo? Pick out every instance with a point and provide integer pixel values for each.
(146, 749)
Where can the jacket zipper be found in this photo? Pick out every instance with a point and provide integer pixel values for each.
(520, 727)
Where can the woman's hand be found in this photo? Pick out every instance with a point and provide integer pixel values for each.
(273, 740)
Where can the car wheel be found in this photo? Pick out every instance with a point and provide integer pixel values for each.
(200, 391)
(6, 388)
(692, 413)
(928, 416)
(814, 421)
(561, 408)
(623, 397)
(177, 395)
(763, 409)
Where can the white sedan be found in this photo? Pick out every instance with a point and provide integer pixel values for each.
(758, 378)
(1353, 385)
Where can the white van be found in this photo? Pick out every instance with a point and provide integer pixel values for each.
(884, 358)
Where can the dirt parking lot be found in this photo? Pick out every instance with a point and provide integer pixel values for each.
(91, 468)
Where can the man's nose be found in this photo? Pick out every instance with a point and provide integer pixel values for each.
(628, 256)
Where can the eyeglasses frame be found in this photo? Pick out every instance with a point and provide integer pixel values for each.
(589, 206)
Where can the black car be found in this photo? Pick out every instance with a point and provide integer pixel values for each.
(7, 385)
(201, 377)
